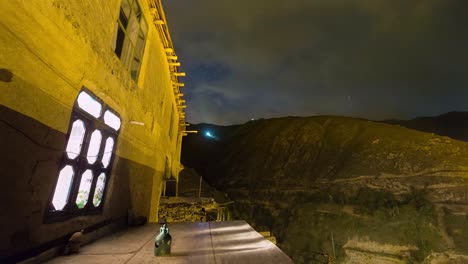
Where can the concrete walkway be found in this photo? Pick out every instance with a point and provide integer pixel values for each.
(201, 242)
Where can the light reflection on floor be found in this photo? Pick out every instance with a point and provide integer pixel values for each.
(201, 242)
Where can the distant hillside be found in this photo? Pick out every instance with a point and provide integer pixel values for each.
(328, 184)
(452, 124)
(201, 149)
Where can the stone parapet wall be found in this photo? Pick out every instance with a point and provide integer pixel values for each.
(180, 209)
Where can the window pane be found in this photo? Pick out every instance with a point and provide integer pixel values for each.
(125, 7)
(89, 104)
(85, 186)
(99, 191)
(136, 10)
(62, 190)
(112, 120)
(94, 145)
(107, 152)
(127, 52)
(123, 17)
(140, 45)
(135, 68)
(133, 29)
(75, 141)
(118, 40)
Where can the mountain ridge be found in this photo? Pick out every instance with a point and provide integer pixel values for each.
(362, 182)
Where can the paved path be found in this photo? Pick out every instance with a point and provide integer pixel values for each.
(201, 242)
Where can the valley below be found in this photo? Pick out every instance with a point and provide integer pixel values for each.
(345, 189)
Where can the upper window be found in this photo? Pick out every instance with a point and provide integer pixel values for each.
(85, 168)
(130, 35)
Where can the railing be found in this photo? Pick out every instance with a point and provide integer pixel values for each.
(223, 213)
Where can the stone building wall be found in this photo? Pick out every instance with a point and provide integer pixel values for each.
(50, 50)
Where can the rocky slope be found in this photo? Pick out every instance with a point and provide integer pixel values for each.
(360, 191)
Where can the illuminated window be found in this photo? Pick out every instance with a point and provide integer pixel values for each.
(99, 189)
(76, 139)
(112, 120)
(130, 35)
(86, 162)
(62, 190)
(85, 187)
(107, 152)
(89, 104)
(94, 146)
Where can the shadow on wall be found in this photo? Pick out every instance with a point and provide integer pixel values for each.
(138, 186)
(29, 163)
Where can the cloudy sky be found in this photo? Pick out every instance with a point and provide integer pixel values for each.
(366, 58)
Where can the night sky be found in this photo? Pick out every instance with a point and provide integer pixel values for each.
(367, 58)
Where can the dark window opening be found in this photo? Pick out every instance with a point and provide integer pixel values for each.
(123, 18)
(129, 41)
(119, 42)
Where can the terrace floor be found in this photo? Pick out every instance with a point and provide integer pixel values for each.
(200, 242)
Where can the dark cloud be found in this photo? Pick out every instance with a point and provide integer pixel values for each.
(369, 58)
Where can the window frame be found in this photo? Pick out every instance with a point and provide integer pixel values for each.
(80, 164)
(128, 59)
